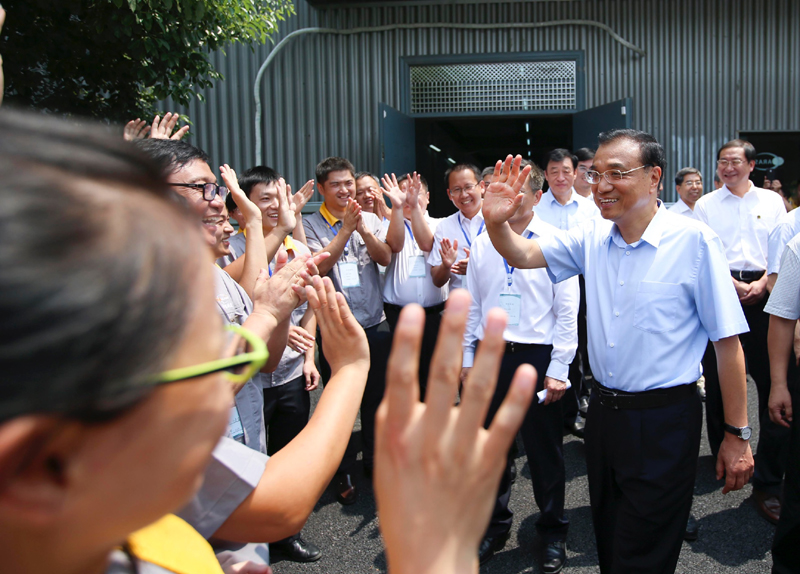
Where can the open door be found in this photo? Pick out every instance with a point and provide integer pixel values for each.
(398, 141)
(588, 124)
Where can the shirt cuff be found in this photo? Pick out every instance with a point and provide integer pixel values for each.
(558, 370)
(469, 357)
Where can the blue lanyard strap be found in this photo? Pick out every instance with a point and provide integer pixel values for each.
(334, 231)
(409, 231)
(510, 270)
(469, 241)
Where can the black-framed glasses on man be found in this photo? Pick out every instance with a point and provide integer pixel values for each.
(612, 175)
(210, 190)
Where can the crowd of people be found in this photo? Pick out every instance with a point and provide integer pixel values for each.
(158, 360)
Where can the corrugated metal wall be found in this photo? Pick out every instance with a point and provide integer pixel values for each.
(712, 68)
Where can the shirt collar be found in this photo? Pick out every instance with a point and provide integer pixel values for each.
(327, 215)
(652, 234)
(288, 243)
(725, 192)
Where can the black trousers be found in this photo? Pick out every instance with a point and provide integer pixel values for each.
(542, 435)
(379, 338)
(579, 369)
(433, 318)
(773, 440)
(286, 410)
(641, 467)
(786, 546)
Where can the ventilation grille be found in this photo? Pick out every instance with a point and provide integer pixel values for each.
(500, 87)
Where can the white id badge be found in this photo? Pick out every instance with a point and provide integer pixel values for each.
(417, 265)
(511, 303)
(235, 428)
(348, 272)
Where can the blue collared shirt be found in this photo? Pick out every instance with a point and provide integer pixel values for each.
(651, 306)
(577, 210)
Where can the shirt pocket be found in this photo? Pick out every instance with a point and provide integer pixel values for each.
(233, 312)
(656, 306)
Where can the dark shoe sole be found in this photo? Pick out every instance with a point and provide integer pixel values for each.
(499, 544)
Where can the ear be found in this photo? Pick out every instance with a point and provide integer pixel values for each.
(35, 455)
(537, 197)
(655, 178)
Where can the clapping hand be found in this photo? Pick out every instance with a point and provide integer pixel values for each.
(287, 209)
(299, 339)
(391, 189)
(449, 251)
(460, 268)
(437, 469)
(135, 130)
(249, 210)
(301, 197)
(503, 197)
(352, 217)
(413, 190)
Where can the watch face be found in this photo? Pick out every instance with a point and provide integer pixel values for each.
(746, 432)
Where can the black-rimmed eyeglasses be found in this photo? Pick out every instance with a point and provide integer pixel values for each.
(210, 190)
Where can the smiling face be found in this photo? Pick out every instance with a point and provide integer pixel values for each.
(560, 176)
(633, 198)
(265, 196)
(197, 171)
(465, 191)
(580, 184)
(338, 189)
(366, 189)
(734, 175)
(222, 234)
(691, 189)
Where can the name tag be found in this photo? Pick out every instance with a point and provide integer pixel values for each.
(235, 428)
(348, 272)
(417, 265)
(511, 303)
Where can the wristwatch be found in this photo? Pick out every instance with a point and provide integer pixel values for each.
(741, 432)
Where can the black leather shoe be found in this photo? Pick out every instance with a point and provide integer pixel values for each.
(490, 545)
(513, 472)
(554, 557)
(344, 488)
(691, 529)
(576, 428)
(296, 550)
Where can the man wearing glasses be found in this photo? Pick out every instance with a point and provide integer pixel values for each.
(585, 156)
(454, 235)
(689, 185)
(658, 289)
(743, 216)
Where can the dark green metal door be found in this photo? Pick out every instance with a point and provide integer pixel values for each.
(588, 124)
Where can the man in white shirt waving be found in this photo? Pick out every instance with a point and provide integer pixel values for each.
(542, 330)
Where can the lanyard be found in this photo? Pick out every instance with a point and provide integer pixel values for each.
(469, 241)
(334, 231)
(410, 232)
(510, 270)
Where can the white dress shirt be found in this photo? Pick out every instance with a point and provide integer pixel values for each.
(681, 208)
(400, 288)
(742, 223)
(577, 210)
(456, 227)
(549, 313)
(788, 226)
(651, 306)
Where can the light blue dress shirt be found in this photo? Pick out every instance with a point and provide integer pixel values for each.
(577, 210)
(651, 306)
(788, 226)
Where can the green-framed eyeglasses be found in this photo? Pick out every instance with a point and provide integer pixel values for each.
(237, 369)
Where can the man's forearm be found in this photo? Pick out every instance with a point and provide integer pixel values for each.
(422, 233)
(276, 344)
(378, 250)
(396, 235)
(440, 274)
(519, 252)
(335, 248)
(273, 241)
(779, 341)
(732, 380)
(255, 258)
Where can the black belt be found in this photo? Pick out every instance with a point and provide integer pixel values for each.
(435, 310)
(614, 399)
(512, 347)
(747, 276)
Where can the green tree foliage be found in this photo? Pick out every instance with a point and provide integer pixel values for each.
(115, 59)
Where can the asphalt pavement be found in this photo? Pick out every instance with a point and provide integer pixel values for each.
(732, 536)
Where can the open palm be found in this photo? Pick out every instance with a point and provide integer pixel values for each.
(503, 195)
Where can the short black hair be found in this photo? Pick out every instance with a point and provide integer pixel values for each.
(650, 151)
(103, 258)
(681, 175)
(255, 175)
(749, 149)
(331, 164)
(422, 179)
(171, 155)
(462, 167)
(584, 153)
(558, 155)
